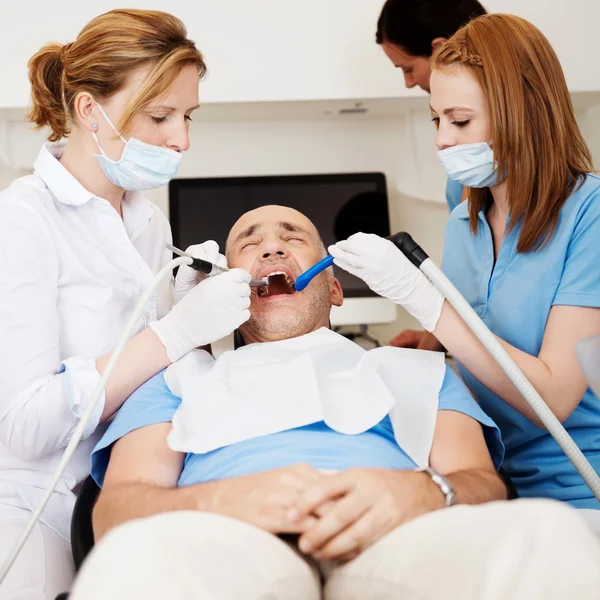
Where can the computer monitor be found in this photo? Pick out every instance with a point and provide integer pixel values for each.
(338, 204)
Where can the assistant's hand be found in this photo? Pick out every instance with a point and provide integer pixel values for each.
(264, 499)
(187, 278)
(420, 340)
(368, 503)
(383, 267)
(211, 310)
(409, 338)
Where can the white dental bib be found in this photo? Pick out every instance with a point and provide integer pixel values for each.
(267, 388)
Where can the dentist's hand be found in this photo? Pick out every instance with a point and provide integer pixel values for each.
(187, 278)
(211, 310)
(390, 274)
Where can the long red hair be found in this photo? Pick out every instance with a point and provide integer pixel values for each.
(535, 136)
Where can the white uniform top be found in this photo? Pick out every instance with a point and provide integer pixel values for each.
(71, 273)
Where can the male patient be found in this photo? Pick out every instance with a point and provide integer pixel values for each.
(290, 466)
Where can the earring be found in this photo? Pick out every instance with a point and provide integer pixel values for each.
(94, 125)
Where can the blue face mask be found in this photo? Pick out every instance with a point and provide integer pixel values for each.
(471, 164)
(141, 166)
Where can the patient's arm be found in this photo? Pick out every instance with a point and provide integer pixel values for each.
(142, 476)
(460, 453)
(365, 504)
(140, 480)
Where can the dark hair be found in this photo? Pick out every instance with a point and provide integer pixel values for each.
(414, 24)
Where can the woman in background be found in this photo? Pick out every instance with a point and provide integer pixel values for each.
(409, 32)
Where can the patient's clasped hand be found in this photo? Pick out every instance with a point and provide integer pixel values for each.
(302, 432)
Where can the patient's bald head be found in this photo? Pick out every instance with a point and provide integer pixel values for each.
(281, 217)
(279, 239)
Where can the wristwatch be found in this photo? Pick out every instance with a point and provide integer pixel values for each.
(443, 484)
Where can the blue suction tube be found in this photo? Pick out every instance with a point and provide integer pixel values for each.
(306, 277)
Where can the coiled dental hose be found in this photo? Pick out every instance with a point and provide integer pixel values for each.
(419, 258)
(80, 429)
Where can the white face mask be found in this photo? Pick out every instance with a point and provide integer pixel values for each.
(141, 166)
(471, 164)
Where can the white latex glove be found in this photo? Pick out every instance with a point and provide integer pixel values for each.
(210, 311)
(187, 278)
(383, 267)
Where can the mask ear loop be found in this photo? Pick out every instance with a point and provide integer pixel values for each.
(112, 127)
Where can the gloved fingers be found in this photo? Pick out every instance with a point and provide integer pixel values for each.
(344, 246)
(334, 250)
(244, 316)
(239, 290)
(231, 284)
(364, 237)
(360, 247)
(221, 261)
(363, 242)
(238, 303)
(348, 267)
(238, 275)
(344, 259)
(338, 251)
(368, 244)
(187, 277)
(208, 250)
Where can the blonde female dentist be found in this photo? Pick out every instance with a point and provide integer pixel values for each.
(79, 244)
(523, 251)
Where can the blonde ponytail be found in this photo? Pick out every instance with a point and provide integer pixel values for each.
(46, 69)
(107, 51)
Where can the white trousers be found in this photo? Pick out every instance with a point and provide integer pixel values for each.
(592, 518)
(520, 550)
(44, 568)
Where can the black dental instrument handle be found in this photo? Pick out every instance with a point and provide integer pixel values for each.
(404, 242)
(202, 266)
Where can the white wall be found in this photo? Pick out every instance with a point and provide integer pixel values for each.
(272, 50)
(256, 50)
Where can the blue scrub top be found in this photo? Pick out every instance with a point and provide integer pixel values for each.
(454, 191)
(514, 298)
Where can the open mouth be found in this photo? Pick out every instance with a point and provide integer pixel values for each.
(281, 283)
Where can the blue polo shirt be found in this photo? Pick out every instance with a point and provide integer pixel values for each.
(316, 444)
(454, 191)
(514, 298)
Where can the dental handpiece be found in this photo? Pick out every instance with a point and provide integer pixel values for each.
(208, 268)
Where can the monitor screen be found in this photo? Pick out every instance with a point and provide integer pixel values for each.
(338, 204)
